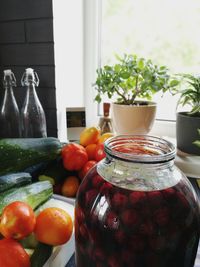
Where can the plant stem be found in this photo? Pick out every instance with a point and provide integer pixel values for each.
(123, 97)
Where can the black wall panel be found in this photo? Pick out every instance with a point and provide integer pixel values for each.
(12, 32)
(26, 40)
(27, 54)
(25, 9)
(39, 30)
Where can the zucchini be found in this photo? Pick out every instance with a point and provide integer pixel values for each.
(34, 194)
(36, 170)
(41, 254)
(11, 180)
(17, 154)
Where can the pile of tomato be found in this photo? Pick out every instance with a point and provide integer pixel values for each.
(18, 221)
(81, 157)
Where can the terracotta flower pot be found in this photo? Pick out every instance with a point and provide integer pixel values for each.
(133, 119)
(186, 133)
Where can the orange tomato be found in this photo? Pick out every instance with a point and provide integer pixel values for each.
(86, 168)
(104, 137)
(74, 157)
(12, 254)
(54, 226)
(17, 220)
(90, 149)
(89, 136)
(70, 186)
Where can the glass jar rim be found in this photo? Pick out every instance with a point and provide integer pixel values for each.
(140, 148)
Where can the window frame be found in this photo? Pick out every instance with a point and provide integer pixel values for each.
(92, 12)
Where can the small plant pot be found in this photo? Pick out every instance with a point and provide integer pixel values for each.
(133, 119)
(187, 133)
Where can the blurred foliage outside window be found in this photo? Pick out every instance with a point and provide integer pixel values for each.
(166, 31)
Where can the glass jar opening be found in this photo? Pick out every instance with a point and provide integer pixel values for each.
(140, 148)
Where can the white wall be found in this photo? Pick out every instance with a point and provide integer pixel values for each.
(68, 38)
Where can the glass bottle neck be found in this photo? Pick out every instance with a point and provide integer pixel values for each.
(31, 92)
(9, 90)
(31, 88)
(9, 93)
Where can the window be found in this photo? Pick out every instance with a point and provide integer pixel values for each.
(166, 31)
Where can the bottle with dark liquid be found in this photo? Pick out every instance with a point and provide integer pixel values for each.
(9, 112)
(105, 122)
(32, 113)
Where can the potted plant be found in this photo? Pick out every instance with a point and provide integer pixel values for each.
(188, 122)
(133, 81)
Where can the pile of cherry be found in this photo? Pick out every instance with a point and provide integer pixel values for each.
(116, 227)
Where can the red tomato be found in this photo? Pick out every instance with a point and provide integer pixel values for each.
(99, 152)
(86, 168)
(12, 254)
(74, 157)
(17, 220)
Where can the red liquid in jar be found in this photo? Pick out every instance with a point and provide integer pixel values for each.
(117, 227)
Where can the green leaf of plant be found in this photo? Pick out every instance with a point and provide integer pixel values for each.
(117, 68)
(125, 75)
(197, 143)
(98, 98)
(173, 83)
(140, 64)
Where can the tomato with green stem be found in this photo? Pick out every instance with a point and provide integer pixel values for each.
(17, 220)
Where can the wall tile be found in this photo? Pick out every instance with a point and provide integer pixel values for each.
(25, 9)
(12, 32)
(52, 132)
(27, 54)
(39, 30)
(47, 96)
(51, 118)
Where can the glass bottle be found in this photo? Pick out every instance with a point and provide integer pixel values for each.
(105, 122)
(32, 113)
(136, 208)
(10, 126)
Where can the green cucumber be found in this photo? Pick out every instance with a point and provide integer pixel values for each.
(11, 180)
(34, 194)
(17, 154)
(41, 254)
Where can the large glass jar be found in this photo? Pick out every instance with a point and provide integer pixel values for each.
(136, 209)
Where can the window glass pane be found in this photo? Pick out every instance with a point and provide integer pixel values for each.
(166, 31)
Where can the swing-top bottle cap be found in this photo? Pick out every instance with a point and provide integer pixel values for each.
(30, 71)
(30, 76)
(7, 72)
(9, 78)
